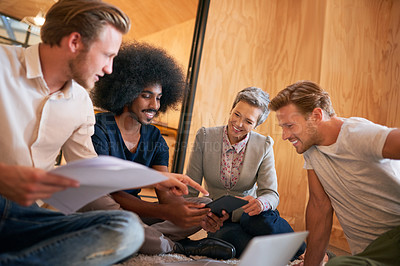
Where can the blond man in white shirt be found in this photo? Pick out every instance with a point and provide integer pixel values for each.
(44, 108)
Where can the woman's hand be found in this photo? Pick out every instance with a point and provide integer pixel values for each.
(254, 207)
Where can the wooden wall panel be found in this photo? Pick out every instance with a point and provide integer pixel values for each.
(350, 47)
(361, 59)
(268, 44)
(255, 43)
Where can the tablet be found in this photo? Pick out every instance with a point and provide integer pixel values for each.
(227, 203)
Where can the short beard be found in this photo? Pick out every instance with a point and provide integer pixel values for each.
(134, 116)
(76, 66)
(313, 137)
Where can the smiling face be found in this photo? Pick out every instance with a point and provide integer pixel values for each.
(242, 120)
(301, 132)
(95, 61)
(146, 105)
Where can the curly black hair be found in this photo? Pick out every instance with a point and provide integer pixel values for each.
(137, 66)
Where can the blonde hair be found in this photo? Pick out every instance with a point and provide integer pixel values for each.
(306, 96)
(87, 17)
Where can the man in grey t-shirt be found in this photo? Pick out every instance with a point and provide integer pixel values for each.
(353, 169)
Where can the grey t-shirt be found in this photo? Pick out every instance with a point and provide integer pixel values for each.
(364, 188)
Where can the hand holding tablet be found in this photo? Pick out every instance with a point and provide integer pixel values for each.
(227, 203)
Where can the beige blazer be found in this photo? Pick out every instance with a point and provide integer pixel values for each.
(257, 176)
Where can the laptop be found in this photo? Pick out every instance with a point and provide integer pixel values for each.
(270, 250)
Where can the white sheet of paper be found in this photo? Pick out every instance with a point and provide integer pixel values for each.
(100, 176)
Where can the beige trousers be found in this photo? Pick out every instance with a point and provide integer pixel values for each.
(160, 236)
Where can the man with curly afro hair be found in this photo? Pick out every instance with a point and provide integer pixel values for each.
(144, 82)
(139, 66)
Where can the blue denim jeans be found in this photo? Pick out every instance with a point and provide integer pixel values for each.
(37, 236)
(266, 223)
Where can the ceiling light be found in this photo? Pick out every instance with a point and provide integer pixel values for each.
(37, 21)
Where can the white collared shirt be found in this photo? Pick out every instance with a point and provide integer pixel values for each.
(36, 124)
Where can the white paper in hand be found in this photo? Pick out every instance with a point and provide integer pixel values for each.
(98, 177)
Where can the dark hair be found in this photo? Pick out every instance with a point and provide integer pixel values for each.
(87, 17)
(306, 96)
(137, 66)
(255, 97)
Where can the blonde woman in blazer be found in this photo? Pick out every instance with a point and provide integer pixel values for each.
(234, 160)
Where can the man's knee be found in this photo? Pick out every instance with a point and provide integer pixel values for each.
(128, 232)
(347, 261)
